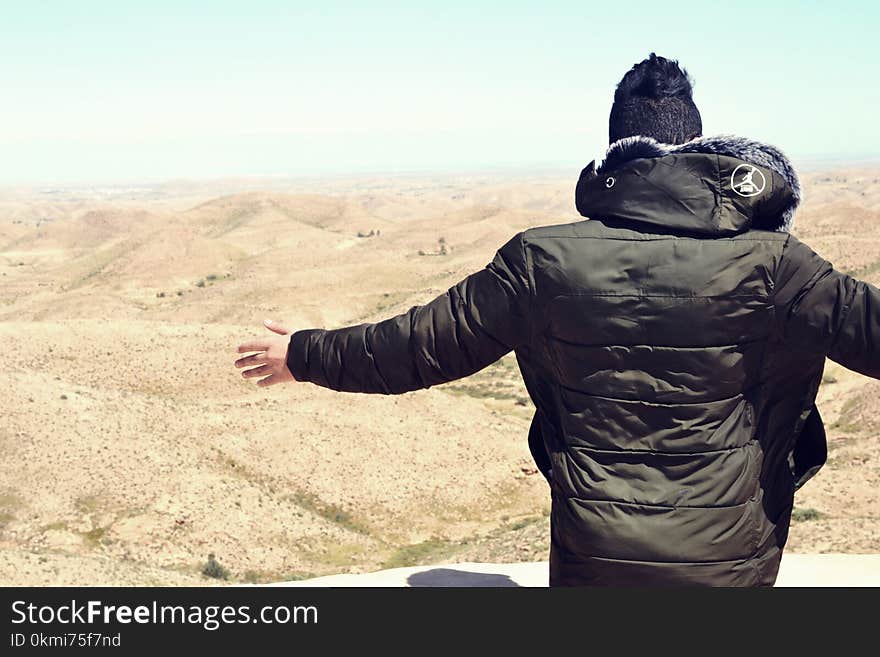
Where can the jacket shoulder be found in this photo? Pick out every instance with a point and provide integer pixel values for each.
(583, 229)
(554, 231)
(756, 235)
(591, 228)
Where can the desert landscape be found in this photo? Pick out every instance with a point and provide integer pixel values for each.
(133, 449)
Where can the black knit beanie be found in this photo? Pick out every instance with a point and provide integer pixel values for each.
(654, 99)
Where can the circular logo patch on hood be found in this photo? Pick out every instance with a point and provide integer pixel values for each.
(747, 180)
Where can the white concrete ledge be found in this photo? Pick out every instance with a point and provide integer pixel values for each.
(796, 570)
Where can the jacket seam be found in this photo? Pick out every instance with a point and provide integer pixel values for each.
(847, 308)
(368, 350)
(775, 289)
(657, 403)
(722, 197)
(659, 506)
(665, 238)
(412, 349)
(530, 287)
(583, 559)
(716, 297)
(605, 345)
(662, 453)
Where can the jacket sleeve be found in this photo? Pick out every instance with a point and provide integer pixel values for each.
(820, 309)
(470, 326)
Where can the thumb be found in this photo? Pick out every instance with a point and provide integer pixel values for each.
(275, 327)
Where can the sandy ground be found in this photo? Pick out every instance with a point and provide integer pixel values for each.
(133, 450)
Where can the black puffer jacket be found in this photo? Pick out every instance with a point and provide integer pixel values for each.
(672, 344)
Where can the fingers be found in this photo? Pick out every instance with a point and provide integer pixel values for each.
(262, 370)
(270, 380)
(261, 344)
(253, 345)
(274, 326)
(253, 359)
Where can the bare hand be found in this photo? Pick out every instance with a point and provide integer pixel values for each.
(270, 361)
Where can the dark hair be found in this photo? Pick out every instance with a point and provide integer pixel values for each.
(654, 99)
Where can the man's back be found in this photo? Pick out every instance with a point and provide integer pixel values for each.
(676, 374)
(673, 345)
(654, 379)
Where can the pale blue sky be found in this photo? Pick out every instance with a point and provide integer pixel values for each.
(124, 90)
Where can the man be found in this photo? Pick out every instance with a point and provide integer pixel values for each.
(672, 343)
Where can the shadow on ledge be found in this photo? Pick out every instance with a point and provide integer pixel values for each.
(452, 577)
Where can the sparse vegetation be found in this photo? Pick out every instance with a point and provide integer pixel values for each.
(848, 420)
(87, 504)
(523, 523)
(805, 515)
(387, 302)
(483, 390)
(419, 553)
(95, 535)
(328, 511)
(298, 575)
(214, 569)
(5, 518)
(55, 526)
(209, 279)
(253, 577)
(499, 384)
(442, 249)
(235, 219)
(99, 260)
(10, 501)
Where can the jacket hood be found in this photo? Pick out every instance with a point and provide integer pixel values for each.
(718, 184)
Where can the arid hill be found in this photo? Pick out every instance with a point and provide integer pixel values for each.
(133, 449)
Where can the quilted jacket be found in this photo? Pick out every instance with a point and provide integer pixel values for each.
(672, 342)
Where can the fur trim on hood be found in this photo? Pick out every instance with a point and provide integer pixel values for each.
(743, 148)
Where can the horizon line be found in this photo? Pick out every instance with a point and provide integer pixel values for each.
(809, 163)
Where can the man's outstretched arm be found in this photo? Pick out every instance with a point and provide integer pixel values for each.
(468, 327)
(823, 310)
(471, 325)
